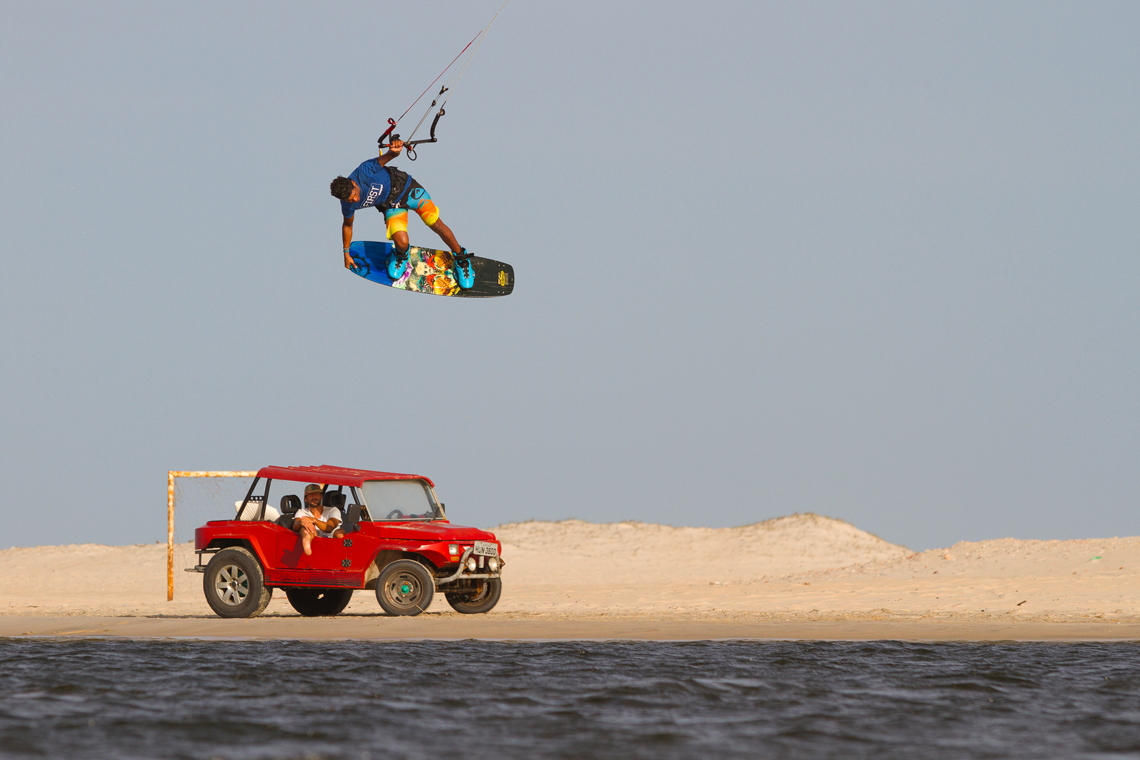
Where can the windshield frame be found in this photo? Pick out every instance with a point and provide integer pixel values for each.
(374, 514)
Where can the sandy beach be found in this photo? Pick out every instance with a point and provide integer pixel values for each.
(799, 577)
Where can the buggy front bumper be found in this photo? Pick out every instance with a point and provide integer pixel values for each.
(464, 573)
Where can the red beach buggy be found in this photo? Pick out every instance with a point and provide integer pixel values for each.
(397, 541)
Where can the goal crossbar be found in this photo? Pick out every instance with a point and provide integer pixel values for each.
(170, 476)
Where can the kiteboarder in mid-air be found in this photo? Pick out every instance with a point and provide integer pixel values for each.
(392, 193)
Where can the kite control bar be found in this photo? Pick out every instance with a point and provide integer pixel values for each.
(411, 144)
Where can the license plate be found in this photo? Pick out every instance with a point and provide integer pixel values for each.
(486, 549)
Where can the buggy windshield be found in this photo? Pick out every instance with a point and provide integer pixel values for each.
(400, 500)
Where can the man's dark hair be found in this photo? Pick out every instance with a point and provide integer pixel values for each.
(341, 188)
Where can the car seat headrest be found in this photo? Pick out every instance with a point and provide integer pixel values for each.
(290, 504)
(352, 518)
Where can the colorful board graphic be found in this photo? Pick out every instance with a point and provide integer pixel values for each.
(432, 271)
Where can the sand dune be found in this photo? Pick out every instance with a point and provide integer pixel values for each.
(642, 553)
(802, 567)
(807, 565)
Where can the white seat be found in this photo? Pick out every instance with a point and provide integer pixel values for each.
(253, 509)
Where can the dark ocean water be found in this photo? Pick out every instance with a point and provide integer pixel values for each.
(226, 699)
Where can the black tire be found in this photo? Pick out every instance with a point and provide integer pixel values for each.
(404, 587)
(235, 584)
(319, 602)
(481, 598)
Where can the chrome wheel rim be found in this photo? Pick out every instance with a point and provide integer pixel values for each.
(404, 591)
(232, 585)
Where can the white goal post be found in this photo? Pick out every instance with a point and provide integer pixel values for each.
(170, 478)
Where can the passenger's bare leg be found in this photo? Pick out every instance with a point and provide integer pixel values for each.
(308, 533)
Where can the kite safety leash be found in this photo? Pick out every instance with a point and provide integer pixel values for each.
(447, 88)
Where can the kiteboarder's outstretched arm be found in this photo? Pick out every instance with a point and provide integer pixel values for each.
(346, 237)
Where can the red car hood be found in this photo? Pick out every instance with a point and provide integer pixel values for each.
(432, 531)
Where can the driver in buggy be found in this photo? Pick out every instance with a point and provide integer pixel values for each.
(313, 519)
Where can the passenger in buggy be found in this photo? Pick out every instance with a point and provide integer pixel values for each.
(313, 520)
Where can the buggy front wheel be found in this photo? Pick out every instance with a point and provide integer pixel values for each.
(404, 587)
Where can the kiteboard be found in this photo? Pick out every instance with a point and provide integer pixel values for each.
(431, 271)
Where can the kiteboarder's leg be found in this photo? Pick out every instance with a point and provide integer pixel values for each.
(464, 272)
(397, 220)
(419, 201)
(446, 235)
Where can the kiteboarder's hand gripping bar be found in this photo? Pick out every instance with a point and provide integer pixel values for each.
(391, 151)
(388, 131)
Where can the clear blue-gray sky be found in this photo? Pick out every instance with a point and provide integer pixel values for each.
(879, 261)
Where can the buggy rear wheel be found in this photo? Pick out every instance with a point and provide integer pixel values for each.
(319, 602)
(481, 598)
(235, 584)
(404, 587)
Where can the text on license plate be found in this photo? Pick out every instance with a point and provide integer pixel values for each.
(486, 548)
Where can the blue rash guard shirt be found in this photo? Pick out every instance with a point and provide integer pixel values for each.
(374, 184)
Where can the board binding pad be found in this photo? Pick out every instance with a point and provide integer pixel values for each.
(431, 271)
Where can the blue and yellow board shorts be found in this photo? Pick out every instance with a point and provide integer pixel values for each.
(416, 199)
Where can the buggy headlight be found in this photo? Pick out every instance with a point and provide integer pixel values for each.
(453, 548)
(471, 564)
(493, 564)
